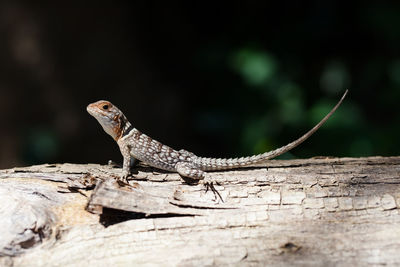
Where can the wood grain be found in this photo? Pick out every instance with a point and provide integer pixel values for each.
(321, 211)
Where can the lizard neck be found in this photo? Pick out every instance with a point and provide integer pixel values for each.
(127, 129)
(124, 127)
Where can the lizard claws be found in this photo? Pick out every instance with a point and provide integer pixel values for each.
(123, 180)
(210, 186)
(122, 183)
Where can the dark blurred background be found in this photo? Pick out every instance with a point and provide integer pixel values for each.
(216, 78)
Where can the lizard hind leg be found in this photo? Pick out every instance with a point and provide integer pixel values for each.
(185, 169)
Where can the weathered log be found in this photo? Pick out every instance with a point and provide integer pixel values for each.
(325, 211)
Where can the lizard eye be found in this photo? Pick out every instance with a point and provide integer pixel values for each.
(105, 107)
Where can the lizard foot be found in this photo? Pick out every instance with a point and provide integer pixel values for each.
(123, 180)
(185, 169)
(209, 185)
(122, 183)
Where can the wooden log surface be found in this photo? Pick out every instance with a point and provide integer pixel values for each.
(320, 211)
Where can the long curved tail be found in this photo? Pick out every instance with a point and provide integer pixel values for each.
(232, 163)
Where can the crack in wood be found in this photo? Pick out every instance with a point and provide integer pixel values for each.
(299, 211)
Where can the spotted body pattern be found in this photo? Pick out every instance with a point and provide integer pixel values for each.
(133, 143)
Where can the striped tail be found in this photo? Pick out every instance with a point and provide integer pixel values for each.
(208, 164)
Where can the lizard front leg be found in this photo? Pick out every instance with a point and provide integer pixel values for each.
(126, 166)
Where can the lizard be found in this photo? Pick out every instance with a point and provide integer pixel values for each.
(135, 145)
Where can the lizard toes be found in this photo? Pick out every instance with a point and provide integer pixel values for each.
(123, 179)
(209, 185)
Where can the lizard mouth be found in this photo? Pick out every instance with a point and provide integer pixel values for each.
(90, 110)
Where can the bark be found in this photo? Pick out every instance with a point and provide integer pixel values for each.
(320, 211)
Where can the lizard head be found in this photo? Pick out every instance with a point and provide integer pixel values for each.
(109, 116)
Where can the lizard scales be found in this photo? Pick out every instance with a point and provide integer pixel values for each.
(137, 145)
